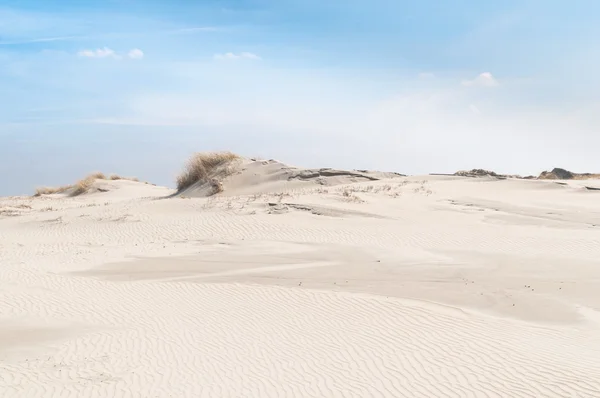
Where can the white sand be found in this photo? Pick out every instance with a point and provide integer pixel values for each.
(406, 287)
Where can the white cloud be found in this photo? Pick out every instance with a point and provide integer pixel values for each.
(432, 130)
(98, 53)
(426, 75)
(42, 40)
(135, 53)
(485, 79)
(410, 127)
(474, 109)
(197, 29)
(106, 52)
(111, 35)
(233, 56)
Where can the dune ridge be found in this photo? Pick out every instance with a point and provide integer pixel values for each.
(562, 174)
(555, 174)
(82, 186)
(211, 173)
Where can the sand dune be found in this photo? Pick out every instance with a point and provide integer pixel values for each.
(554, 174)
(252, 176)
(295, 282)
(562, 174)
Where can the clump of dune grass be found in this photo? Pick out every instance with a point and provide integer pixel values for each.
(84, 185)
(115, 177)
(202, 167)
(97, 176)
(81, 186)
(51, 190)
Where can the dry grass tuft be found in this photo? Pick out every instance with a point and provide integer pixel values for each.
(202, 167)
(80, 186)
(51, 190)
(84, 185)
(97, 176)
(349, 196)
(115, 177)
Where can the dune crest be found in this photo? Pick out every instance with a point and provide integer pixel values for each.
(562, 174)
(204, 172)
(85, 185)
(207, 174)
(555, 174)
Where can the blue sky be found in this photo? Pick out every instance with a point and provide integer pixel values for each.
(425, 86)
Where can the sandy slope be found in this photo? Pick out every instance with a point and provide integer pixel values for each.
(400, 287)
(251, 176)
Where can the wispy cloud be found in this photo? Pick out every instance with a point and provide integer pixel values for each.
(106, 52)
(233, 56)
(426, 75)
(42, 40)
(112, 35)
(135, 53)
(473, 108)
(196, 29)
(485, 79)
(98, 53)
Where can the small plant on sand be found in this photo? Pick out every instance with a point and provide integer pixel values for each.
(97, 176)
(81, 186)
(50, 190)
(116, 177)
(216, 185)
(349, 196)
(9, 213)
(202, 167)
(84, 185)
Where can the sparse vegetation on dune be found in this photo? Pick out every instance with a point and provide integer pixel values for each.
(562, 174)
(476, 173)
(97, 175)
(203, 167)
(84, 185)
(115, 177)
(555, 174)
(51, 190)
(81, 186)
